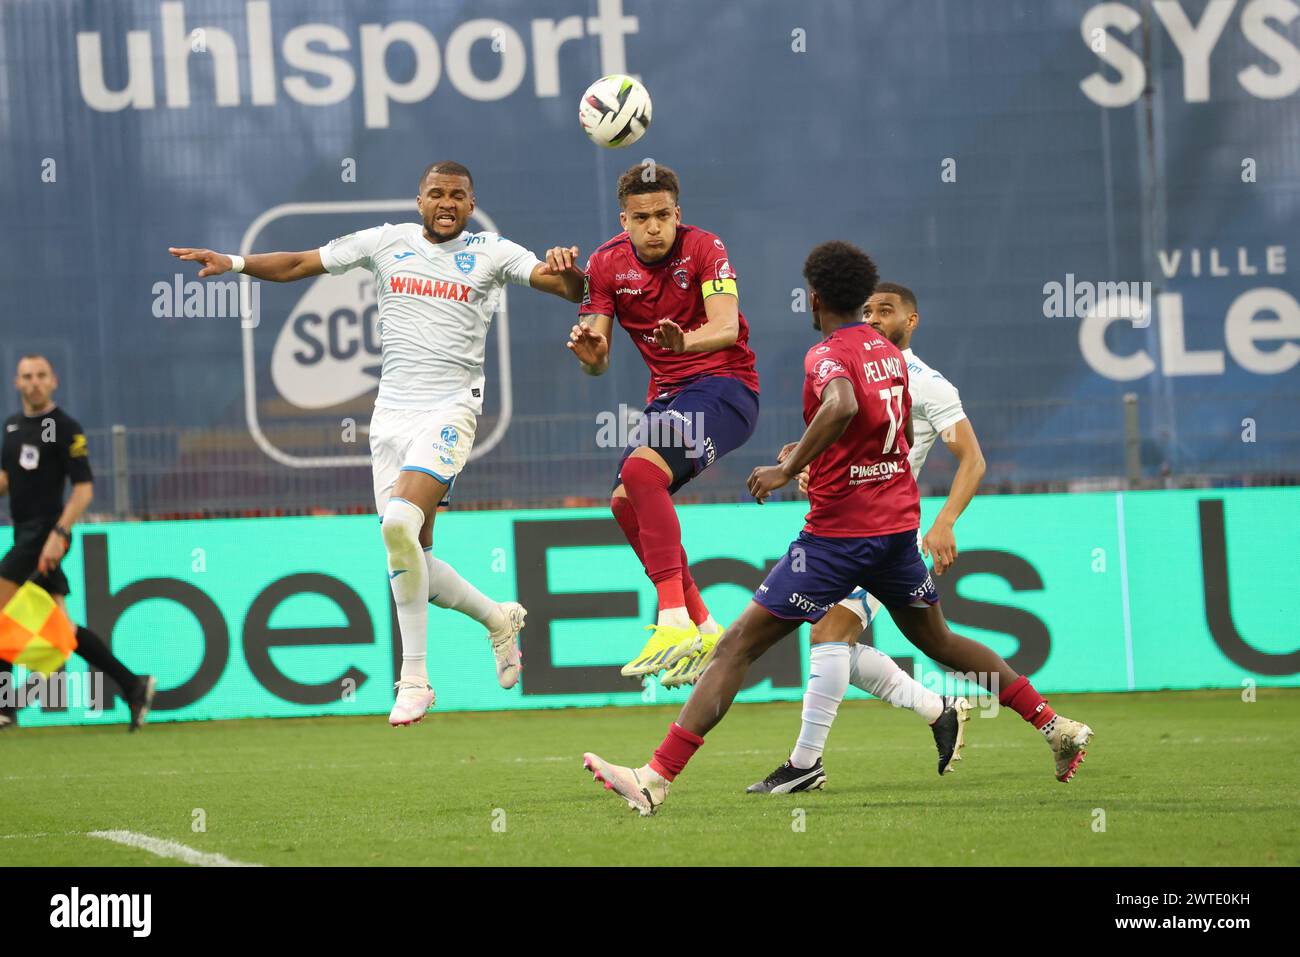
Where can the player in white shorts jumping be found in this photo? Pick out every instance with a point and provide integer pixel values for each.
(837, 659)
(438, 287)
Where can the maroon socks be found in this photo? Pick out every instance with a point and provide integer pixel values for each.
(679, 746)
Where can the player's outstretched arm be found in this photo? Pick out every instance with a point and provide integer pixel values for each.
(4, 482)
(839, 406)
(560, 274)
(940, 542)
(589, 343)
(273, 267)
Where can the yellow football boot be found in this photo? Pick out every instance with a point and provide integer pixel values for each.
(667, 646)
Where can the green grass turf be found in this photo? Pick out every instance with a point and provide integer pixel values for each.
(1182, 778)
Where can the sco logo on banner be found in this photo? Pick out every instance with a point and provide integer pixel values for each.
(328, 350)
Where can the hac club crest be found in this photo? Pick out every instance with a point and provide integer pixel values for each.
(465, 262)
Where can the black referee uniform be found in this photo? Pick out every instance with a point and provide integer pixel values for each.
(40, 454)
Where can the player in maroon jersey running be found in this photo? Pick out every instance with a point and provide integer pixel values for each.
(861, 528)
(673, 289)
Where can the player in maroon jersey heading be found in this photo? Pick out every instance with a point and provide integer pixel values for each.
(673, 289)
(861, 527)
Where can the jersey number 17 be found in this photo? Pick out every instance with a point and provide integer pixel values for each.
(891, 397)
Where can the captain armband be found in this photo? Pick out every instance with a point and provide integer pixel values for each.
(711, 287)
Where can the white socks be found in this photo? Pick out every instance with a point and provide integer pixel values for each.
(448, 590)
(876, 673)
(409, 578)
(418, 578)
(675, 617)
(834, 666)
(827, 684)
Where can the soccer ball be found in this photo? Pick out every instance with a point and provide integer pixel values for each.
(615, 111)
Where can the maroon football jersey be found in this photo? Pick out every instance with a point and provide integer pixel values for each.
(639, 294)
(862, 485)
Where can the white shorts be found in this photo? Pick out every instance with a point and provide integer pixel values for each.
(434, 441)
(864, 604)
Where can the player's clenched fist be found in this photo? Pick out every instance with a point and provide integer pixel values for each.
(765, 480)
(588, 345)
(214, 264)
(803, 475)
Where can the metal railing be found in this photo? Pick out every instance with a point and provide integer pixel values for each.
(554, 460)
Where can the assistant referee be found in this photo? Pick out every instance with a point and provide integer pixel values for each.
(44, 447)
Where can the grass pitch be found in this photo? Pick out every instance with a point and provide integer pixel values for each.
(1172, 778)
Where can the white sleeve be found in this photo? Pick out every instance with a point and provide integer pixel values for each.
(353, 250)
(942, 403)
(514, 263)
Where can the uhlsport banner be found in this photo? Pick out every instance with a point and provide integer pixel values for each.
(293, 616)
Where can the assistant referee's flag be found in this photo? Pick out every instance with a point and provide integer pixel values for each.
(34, 631)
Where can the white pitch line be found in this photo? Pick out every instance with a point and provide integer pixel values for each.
(162, 848)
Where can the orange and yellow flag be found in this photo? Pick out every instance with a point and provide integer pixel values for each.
(34, 632)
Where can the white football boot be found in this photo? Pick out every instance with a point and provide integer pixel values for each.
(1069, 742)
(414, 699)
(505, 644)
(642, 788)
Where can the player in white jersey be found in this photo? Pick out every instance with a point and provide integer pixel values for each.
(837, 658)
(438, 287)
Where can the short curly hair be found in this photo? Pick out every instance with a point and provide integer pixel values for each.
(842, 275)
(446, 168)
(647, 178)
(905, 295)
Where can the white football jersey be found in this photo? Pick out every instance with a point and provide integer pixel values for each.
(436, 302)
(935, 406)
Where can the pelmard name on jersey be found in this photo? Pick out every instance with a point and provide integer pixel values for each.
(892, 369)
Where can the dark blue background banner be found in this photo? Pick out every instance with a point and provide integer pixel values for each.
(1007, 160)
